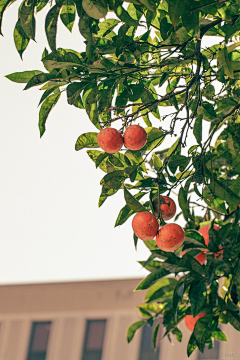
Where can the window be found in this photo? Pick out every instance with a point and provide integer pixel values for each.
(93, 342)
(39, 340)
(210, 354)
(147, 351)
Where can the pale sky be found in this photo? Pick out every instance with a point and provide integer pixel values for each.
(51, 228)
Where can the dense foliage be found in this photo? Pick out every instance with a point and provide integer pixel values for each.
(142, 55)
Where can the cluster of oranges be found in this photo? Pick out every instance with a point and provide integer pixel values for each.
(145, 225)
(111, 140)
(170, 236)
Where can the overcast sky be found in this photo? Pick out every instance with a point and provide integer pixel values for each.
(51, 228)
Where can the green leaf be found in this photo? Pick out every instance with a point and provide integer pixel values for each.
(223, 60)
(132, 202)
(150, 5)
(90, 104)
(38, 79)
(197, 297)
(197, 129)
(87, 140)
(203, 330)
(183, 203)
(121, 38)
(123, 15)
(112, 182)
(173, 148)
(68, 14)
(51, 25)
(84, 26)
(219, 335)
(46, 107)
(54, 88)
(106, 26)
(157, 163)
(27, 18)
(152, 278)
(192, 345)
(175, 10)
(178, 334)
(41, 4)
(154, 335)
(96, 9)
(194, 237)
(126, 212)
(74, 90)
(167, 283)
(23, 77)
(234, 319)
(63, 59)
(21, 40)
(224, 192)
(3, 6)
(133, 328)
(100, 158)
(155, 137)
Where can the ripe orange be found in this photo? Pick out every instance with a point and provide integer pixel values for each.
(190, 321)
(170, 237)
(110, 140)
(167, 206)
(145, 225)
(135, 137)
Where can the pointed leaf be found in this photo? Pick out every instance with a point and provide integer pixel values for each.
(51, 25)
(173, 148)
(46, 107)
(27, 17)
(21, 40)
(197, 297)
(152, 278)
(68, 14)
(157, 163)
(132, 202)
(197, 129)
(3, 6)
(22, 77)
(154, 335)
(133, 328)
(90, 104)
(87, 140)
(223, 60)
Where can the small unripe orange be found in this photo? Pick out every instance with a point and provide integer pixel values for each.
(110, 140)
(170, 237)
(190, 321)
(167, 206)
(145, 225)
(135, 137)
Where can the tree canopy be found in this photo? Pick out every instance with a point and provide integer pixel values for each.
(141, 56)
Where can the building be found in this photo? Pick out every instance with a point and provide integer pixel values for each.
(87, 321)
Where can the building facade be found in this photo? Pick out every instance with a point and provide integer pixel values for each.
(87, 321)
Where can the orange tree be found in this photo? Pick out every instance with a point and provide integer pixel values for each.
(141, 56)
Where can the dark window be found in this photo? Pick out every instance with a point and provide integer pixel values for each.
(147, 351)
(39, 340)
(210, 354)
(93, 342)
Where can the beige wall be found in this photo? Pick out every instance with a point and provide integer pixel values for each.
(69, 305)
